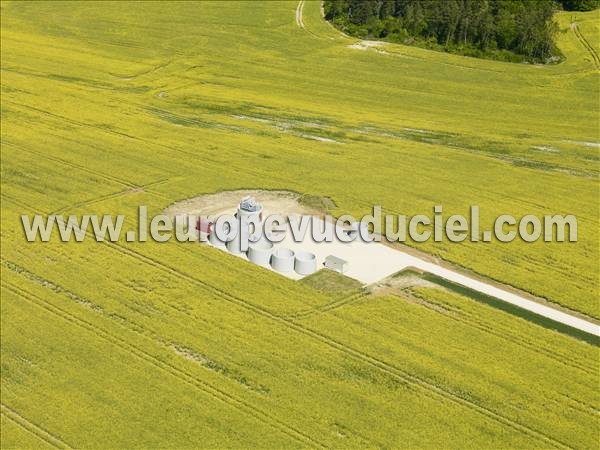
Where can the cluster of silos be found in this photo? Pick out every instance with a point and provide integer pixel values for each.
(282, 259)
(305, 263)
(262, 251)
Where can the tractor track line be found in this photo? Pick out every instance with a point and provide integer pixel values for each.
(506, 334)
(390, 369)
(92, 172)
(32, 428)
(466, 320)
(347, 300)
(73, 121)
(342, 302)
(19, 202)
(92, 201)
(586, 44)
(71, 164)
(137, 328)
(434, 391)
(300, 21)
(560, 359)
(140, 188)
(219, 164)
(533, 346)
(178, 373)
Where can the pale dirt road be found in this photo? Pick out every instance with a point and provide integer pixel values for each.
(299, 8)
(368, 262)
(584, 42)
(372, 264)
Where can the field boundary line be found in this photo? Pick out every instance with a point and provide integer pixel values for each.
(176, 372)
(32, 428)
(382, 365)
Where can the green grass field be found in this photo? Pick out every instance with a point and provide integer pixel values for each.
(107, 106)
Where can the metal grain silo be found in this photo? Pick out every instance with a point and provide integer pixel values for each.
(249, 207)
(306, 263)
(260, 252)
(282, 260)
(225, 228)
(235, 245)
(214, 239)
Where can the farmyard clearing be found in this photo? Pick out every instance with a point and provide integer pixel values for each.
(106, 106)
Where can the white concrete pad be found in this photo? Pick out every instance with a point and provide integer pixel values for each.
(370, 262)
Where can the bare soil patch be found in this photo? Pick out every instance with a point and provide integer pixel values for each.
(399, 282)
(286, 203)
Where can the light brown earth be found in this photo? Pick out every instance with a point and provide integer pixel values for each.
(285, 203)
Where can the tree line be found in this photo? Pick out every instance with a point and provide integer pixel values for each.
(515, 30)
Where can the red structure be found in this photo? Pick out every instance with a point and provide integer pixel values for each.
(204, 225)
